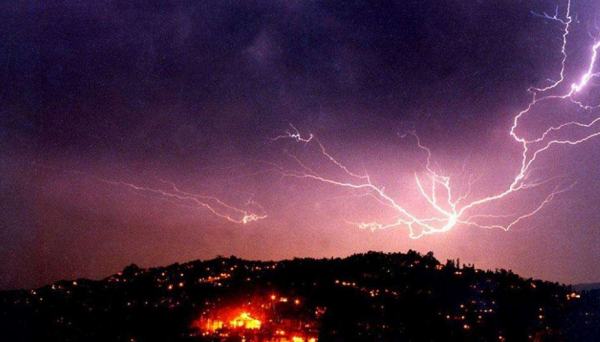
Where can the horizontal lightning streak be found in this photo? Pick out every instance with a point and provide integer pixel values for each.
(213, 204)
(218, 208)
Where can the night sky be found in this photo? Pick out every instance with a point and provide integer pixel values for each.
(97, 96)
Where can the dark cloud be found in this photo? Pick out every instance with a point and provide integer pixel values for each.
(177, 87)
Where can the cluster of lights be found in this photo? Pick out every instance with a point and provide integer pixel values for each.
(246, 321)
(227, 322)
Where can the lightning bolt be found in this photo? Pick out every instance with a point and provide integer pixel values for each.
(171, 192)
(211, 203)
(449, 206)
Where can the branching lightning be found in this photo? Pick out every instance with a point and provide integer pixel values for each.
(211, 203)
(171, 192)
(450, 206)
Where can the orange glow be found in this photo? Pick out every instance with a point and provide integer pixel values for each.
(231, 320)
(253, 317)
(213, 325)
(246, 321)
(302, 339)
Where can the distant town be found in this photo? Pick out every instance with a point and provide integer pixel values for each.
(364, 297)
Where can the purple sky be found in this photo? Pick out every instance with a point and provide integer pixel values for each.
(102, 98)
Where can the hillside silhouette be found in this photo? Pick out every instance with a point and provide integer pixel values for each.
(364, 297)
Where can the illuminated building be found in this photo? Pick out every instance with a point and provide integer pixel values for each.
(244, 320)
(270, 319)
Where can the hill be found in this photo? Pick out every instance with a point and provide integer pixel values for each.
(364, 297)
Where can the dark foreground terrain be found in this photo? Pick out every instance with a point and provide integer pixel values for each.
(365, 297)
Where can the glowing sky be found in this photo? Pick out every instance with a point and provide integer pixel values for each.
(115, 115)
